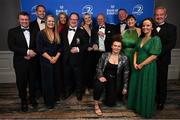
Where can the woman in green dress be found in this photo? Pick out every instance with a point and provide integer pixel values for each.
(147, 50)
(130, 39)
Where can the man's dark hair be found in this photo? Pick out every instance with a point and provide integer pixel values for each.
(123, 9)
(40, 6)
(74, 13)
(24, 13)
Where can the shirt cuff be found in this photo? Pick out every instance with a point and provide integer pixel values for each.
(77, 49)
(27, 52)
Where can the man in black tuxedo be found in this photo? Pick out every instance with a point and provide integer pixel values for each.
(21, 42)
(74, 45)
(103, 37)
(104, 34)
(122, 15)
(168, 34)
(37, 25)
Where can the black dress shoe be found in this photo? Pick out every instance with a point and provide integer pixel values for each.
(66, 95)
(160, 106)
(24, 107)
(34, 103)
(79, 97)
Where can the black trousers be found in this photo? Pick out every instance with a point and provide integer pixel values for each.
(162, 76)
(26, 76)
(50, 82)
(73, 78)
(110, 91)
(89, 68)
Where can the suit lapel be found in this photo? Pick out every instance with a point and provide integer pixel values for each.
(75, 37)
(22, 37)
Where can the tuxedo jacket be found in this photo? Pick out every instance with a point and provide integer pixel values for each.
(110, 32)
(17, 44)
(34, 25)
(117, 28)
(168, 36)
(79, 40)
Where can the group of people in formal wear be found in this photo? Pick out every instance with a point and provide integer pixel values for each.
(57, 59)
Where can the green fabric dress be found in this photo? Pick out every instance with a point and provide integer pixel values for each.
(142, 96)
(130, 38)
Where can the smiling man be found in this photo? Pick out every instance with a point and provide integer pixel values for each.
(168, 35)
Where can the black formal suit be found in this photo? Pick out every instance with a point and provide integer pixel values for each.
(118, 29)
(73, 62)
(25, 69)
(109, 32)
(34, 25)
(168, 36)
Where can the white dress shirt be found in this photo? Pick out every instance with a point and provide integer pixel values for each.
(41, 25)
(101, 39)
(159, 28)
(122, 27)
(26, 35)
(71, 34)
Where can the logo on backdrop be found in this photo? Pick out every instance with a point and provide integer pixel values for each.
(33, 10)
(137, 9)
(61, 9)
(87, 9)
(112, 10)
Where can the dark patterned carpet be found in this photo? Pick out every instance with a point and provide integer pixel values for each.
(72, 109)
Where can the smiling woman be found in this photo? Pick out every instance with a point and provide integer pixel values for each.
(110, 69)
(48, 45)
(143, 79)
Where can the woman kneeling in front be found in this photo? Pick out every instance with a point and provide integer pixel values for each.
(112, 74)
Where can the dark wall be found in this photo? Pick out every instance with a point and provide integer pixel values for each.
(9, 10)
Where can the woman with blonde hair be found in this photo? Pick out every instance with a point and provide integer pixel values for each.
(48, 45)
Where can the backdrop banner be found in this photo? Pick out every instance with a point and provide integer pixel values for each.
(140, 8)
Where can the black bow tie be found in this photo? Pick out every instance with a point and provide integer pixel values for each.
(70, 29)
(101, 27)
(42, 21)
(122, 22)
(25, 29)
(159, 25)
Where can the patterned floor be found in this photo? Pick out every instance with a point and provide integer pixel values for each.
(72, 109)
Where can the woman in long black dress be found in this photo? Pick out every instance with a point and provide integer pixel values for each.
(48, 44)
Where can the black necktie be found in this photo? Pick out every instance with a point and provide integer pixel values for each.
(42, 21)
(70, 29)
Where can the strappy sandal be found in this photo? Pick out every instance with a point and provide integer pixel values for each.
(97, 110)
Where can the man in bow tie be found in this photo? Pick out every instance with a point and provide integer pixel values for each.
(74, 43)
(104, 35)
(37, 25)
(168, 35)
(122, 15)
(21, 42)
